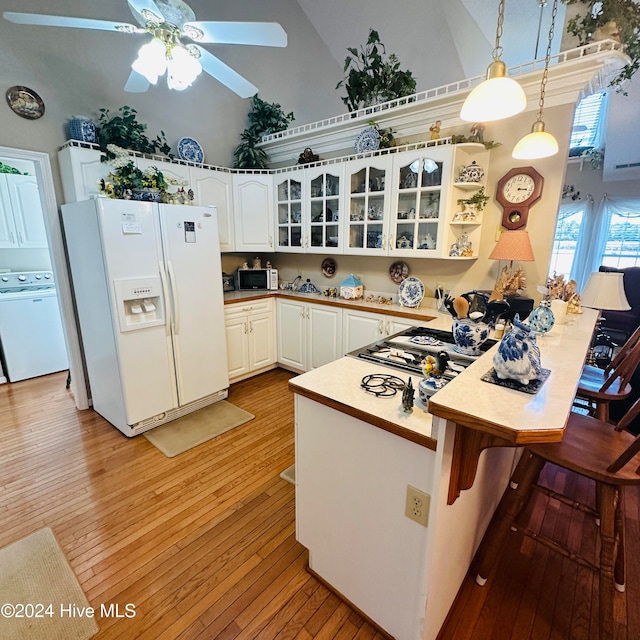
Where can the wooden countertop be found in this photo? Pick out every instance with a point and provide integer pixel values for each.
(422, 314)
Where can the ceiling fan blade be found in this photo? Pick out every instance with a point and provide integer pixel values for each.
(266, 34)
(63, 21)
(136, 83)
(226, 75)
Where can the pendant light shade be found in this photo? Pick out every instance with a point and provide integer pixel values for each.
(537, 144)
(495, 98)
(498, 96)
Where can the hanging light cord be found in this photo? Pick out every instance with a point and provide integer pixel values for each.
(545, 73)
(497, 50)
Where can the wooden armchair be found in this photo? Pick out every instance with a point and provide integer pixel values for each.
(595, 450)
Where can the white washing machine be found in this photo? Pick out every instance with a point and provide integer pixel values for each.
(31, 336)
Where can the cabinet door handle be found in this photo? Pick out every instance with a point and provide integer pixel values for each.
(12, 237)
(391, 241)
(308, 312)
(20, 238)
(302, 312)
(250, 326)
(245, 327)
(380, 326)
(384, 241)
(388, 327)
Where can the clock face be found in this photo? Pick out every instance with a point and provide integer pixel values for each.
(519, 188)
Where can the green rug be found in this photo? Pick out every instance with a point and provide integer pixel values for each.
(37, 583)
(191, 430)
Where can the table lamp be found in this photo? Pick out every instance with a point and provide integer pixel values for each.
(512, 245)
(604, 291)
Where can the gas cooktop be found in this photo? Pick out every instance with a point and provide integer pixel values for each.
(408, 349)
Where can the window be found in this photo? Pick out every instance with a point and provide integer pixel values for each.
(565, 240)
(622, 246)
(588, 124)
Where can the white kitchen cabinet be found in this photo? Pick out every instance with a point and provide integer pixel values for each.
(253, 209)
(290, 221)
(250, 332)
(81, 169)
(215, 188)
(21, 215)
(360, 328)
(321, 208)
(309, 335)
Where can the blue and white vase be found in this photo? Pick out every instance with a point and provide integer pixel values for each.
(469, 336)
(83, 129)
(541, 319)
(518, 355)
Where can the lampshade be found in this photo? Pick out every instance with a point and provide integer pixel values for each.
(495, 98)
(605, 290)
(537, 144)
(151, 61)
(513, 245)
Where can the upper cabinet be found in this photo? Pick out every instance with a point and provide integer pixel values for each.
(216, 188)
(81, 170)
(367, 183)
(253, 208)
(21, 216)
(290, 226)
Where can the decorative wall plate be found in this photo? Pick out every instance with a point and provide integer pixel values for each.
(190, 150)
(329, 267)
(410, 292)
(398, 271)
(25, 102)
(368, 140)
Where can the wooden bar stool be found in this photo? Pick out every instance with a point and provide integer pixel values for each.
(598, 388)
(595, 450)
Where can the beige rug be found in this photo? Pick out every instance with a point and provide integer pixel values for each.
(289, 474)
(187, 432)
(36, 580)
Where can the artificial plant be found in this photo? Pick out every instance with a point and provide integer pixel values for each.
(373, 76)
(124, 130)
(622, 19)
(264, 118)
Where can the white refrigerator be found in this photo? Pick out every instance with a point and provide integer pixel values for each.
(147, 282)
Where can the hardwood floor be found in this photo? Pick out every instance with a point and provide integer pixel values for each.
(204, 544)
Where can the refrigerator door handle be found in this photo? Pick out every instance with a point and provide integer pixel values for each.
(174, 299)
(165, 293)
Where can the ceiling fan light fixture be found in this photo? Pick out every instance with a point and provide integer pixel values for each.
(182, 68)
(151, 61)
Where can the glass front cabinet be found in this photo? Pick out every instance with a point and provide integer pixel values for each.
(289, 219)
(368, 185)
(420, 200)
(323, 204)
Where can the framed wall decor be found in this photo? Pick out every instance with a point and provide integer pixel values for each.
(25, 102)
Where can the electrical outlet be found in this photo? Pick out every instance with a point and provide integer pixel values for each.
(417, 505)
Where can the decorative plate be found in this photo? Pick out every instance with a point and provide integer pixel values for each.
(190, 150)
(25, 102)
(329, 267)
(368, 140)
(410, 292)
(398, 271)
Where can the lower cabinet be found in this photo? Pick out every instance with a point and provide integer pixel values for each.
(250, 331)
(360, 328)
(309, 335)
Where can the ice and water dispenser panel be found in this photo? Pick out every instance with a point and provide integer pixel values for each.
(139, 302)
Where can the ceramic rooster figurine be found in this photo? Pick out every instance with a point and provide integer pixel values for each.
(518, 355)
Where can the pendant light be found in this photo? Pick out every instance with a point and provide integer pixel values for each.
(498, 96)
(539, 143)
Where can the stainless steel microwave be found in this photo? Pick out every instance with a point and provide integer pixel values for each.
(256, 279)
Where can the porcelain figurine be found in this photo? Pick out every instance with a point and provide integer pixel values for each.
(407, 397)
(541, 319)
(518, 355)
(469, 336)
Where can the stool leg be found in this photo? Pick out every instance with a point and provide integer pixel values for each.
(519, 470)
(608, 506)
(508, 511)
(619, 569)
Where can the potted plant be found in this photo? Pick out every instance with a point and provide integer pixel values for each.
(618, 19)
(125, 131)
(264, 118)
(471, 206)
(128, 182)
(372, 78)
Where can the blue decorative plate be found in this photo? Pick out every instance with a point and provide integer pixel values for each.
(190, 150)
(410, 292)
(368, 140)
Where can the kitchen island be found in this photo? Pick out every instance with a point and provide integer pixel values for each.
(357, 455)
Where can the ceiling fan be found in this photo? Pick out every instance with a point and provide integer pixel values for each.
(169, 22)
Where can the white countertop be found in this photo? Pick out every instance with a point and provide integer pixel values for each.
(467, 400)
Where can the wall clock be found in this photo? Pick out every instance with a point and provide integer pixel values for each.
(517, 190)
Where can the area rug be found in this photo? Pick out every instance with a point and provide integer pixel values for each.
(188, 432)
(37, 583)
(289, 474)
